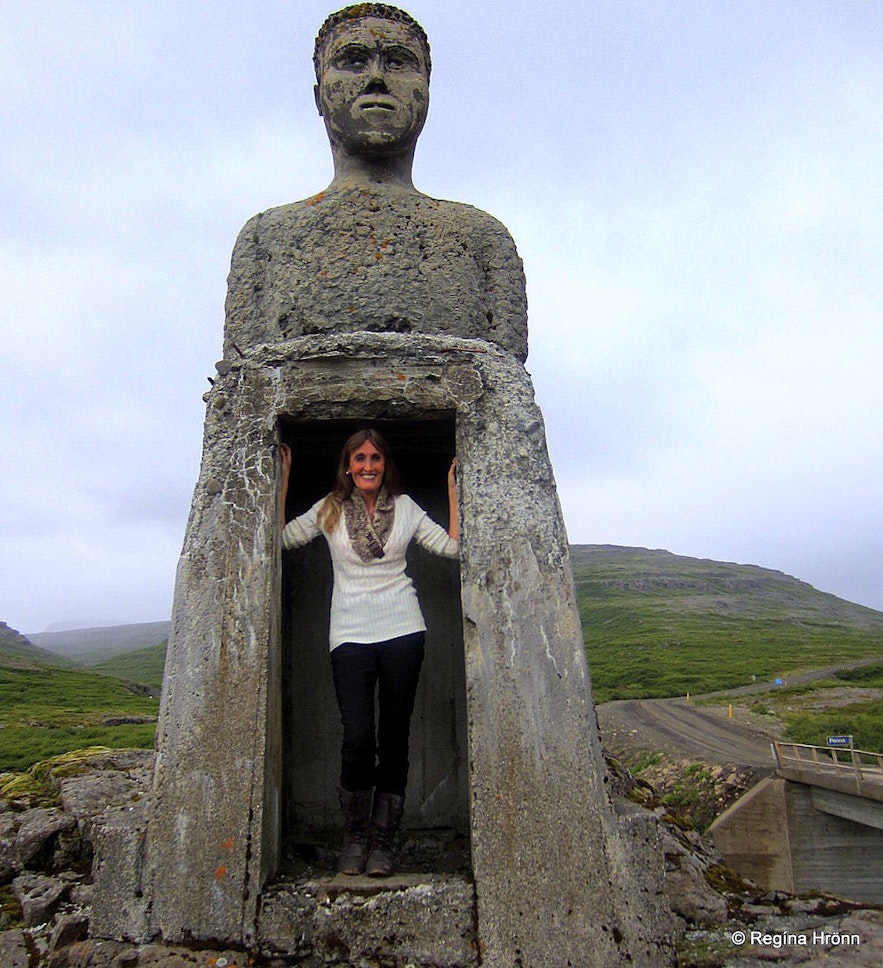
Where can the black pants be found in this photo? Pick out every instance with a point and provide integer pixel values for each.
(376, 757)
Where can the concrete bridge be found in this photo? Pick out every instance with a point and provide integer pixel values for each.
(817, 825)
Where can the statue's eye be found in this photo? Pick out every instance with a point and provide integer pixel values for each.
(399, 59)
(351, 58)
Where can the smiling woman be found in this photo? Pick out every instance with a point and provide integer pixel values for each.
(377, 632)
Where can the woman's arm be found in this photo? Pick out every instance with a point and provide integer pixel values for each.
(303, 528)
(453, 503)
(285, 454)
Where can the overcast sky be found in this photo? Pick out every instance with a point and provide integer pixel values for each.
(694, 187)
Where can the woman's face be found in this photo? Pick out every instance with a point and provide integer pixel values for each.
(366, 465)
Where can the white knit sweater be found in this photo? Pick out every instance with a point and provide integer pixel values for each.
(376, 600)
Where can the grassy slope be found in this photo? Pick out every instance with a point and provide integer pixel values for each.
(16, 649)
(850, 703)
(144, 665)
(47, 711)
(657, 624)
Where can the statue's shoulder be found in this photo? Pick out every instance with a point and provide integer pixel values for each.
(329, 205)
(475, 221)
(280, 217)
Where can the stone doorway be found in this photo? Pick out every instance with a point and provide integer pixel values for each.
(436, 823)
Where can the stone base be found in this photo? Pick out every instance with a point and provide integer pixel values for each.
(424, 920)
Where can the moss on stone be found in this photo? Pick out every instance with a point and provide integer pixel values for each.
(10, 910)
(726, 881)
(38, 787)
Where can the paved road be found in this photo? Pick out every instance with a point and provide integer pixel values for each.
(686, 731)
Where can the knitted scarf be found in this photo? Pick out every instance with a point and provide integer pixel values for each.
(366, 536)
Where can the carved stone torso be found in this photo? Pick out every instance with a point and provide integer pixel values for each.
(379, 261)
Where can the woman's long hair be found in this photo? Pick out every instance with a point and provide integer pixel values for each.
(332, 506)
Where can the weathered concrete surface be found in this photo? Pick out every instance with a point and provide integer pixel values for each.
(830, 853)
(753, 837)
(858, 809)
(407, 919)
(371, 302)
(558, 879)
(119, 906)
(792, 837)
(374, 260)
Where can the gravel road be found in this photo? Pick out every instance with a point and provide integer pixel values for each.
(684, 730)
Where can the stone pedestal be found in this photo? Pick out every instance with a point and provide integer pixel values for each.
(558, 881)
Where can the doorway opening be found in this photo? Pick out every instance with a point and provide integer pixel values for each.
(435, 829)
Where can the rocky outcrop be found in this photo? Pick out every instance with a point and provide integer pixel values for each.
(51, 835)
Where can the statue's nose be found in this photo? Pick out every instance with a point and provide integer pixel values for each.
(376, 76)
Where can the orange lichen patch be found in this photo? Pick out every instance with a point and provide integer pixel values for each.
(378, 255)
(220, 873)
(401, 376)
(323, 273)
(316, 199)
(352, 309)
(228, 843)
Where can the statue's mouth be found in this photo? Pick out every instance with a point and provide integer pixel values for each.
(374, 103)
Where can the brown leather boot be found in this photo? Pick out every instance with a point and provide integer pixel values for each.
(385, 820)
(356, 809)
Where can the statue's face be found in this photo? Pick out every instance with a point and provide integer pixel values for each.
(373, 89)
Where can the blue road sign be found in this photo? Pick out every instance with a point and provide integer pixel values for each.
(839, 741)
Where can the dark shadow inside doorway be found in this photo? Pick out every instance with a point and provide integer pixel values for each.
(436, 824)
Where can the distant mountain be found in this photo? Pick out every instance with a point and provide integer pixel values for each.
(659, 624)
(91, 646)
(701, 585)
(19, 652)
(654, 624)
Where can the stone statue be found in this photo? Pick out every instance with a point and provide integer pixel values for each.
(371, 302)
(371, 253)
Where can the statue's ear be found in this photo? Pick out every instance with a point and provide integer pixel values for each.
(316, 96)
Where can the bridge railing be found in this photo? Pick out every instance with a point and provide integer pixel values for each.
(863, 766)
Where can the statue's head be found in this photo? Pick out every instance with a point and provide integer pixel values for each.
(372, 79)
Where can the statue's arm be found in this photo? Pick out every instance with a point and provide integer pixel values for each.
(246, 322)
(505, 291)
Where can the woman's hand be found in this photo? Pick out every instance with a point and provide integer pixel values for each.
(453, 502)
(285, 454)
(452, 476)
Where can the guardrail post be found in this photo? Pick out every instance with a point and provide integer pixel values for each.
(857, 765)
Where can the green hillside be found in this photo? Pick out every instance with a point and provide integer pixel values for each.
(654, 624)
(46, 711)
(17, 651)
(144, 665)
(657, 624)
